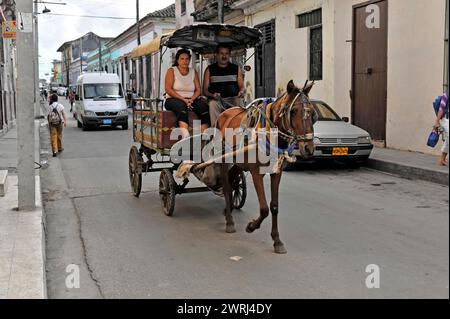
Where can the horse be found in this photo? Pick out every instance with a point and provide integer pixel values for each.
(293, 115)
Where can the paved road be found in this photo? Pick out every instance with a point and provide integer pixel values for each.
(333, 221)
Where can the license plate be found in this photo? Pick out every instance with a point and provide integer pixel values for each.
(340, 151)
(107, 121)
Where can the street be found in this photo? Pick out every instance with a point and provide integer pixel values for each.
(334, 223)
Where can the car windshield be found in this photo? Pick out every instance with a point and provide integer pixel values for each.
(103, 90)
(325, 112)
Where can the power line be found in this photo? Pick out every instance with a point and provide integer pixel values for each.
(89, 16)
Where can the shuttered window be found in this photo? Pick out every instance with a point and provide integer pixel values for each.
(310, 19)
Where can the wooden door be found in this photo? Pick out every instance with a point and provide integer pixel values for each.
(265, 62)
(369, 92)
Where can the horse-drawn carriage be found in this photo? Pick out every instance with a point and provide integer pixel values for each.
(288, 121)
(153, 125)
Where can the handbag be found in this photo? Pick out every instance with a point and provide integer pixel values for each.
(433, 139)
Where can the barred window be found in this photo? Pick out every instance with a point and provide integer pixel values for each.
(315, 54)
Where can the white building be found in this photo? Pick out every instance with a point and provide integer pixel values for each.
(381, 63)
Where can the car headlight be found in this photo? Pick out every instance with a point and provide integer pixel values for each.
(123, 112)
(89, 113)
(364, 140)
(316, 141)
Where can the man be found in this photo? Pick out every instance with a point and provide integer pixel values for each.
(223, 80)
(56, 121)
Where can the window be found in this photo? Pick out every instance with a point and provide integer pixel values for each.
(107, 90)
(313, 21)
(325, 113)
(183, 7)
(310, 19)
(315, 54)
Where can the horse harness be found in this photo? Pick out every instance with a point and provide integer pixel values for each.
(260, 117)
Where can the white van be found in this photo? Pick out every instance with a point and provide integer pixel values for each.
(100, 101)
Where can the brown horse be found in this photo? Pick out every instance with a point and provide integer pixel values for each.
(292, 114)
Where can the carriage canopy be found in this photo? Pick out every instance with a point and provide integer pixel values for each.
(203, 39)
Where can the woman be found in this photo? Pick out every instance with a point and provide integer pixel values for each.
(56, 120)
(182, 87)
(442, 121)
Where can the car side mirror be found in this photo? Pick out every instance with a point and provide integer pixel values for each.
(346, 119)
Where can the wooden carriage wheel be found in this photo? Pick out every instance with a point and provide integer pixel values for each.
(167, 191)
(135, 171)
(239, 192)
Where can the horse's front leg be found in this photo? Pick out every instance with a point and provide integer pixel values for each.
(230, 228)
(258, 180)
(274, 186)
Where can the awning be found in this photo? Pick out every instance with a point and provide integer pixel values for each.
(149, 47)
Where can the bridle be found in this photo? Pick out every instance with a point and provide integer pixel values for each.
(285, 114)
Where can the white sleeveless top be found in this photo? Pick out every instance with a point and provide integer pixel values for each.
(184, 85)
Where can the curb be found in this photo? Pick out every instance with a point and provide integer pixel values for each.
(409, 172)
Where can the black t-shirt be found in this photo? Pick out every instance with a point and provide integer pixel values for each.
(224, 80)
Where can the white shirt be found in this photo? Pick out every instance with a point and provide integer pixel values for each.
(184, 85)
(59, 108)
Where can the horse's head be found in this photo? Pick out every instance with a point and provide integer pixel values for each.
(298, 117)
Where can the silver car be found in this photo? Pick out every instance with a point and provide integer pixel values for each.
(334, 137)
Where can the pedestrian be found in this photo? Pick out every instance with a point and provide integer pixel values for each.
(56, 121)
(442, 121)
(72, 100)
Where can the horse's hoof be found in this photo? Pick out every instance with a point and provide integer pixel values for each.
(249, 229)
(279, 249)
(230, 229)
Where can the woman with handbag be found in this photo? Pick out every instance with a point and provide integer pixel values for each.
(442, 121)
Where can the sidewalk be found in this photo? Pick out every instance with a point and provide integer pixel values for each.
(409, 165)
(22, 239)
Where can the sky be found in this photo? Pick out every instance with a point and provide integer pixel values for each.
(55, 30)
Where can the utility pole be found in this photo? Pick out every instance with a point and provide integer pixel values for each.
(220, 10)
(25, 109)
(81, 55)
(100, 54)
(140, 60)
(37, 103)
(138, 24)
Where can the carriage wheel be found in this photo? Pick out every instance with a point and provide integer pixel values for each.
(239, 192)
(167, 191)
(135, 171)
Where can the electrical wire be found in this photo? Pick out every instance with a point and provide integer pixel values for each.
(89, 16)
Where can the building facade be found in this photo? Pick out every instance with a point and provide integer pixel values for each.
(74, 55)
(57, 76)
(115, 57)
(372, 61)
(8, 73)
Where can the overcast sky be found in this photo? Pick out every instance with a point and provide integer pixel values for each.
(55, 30)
